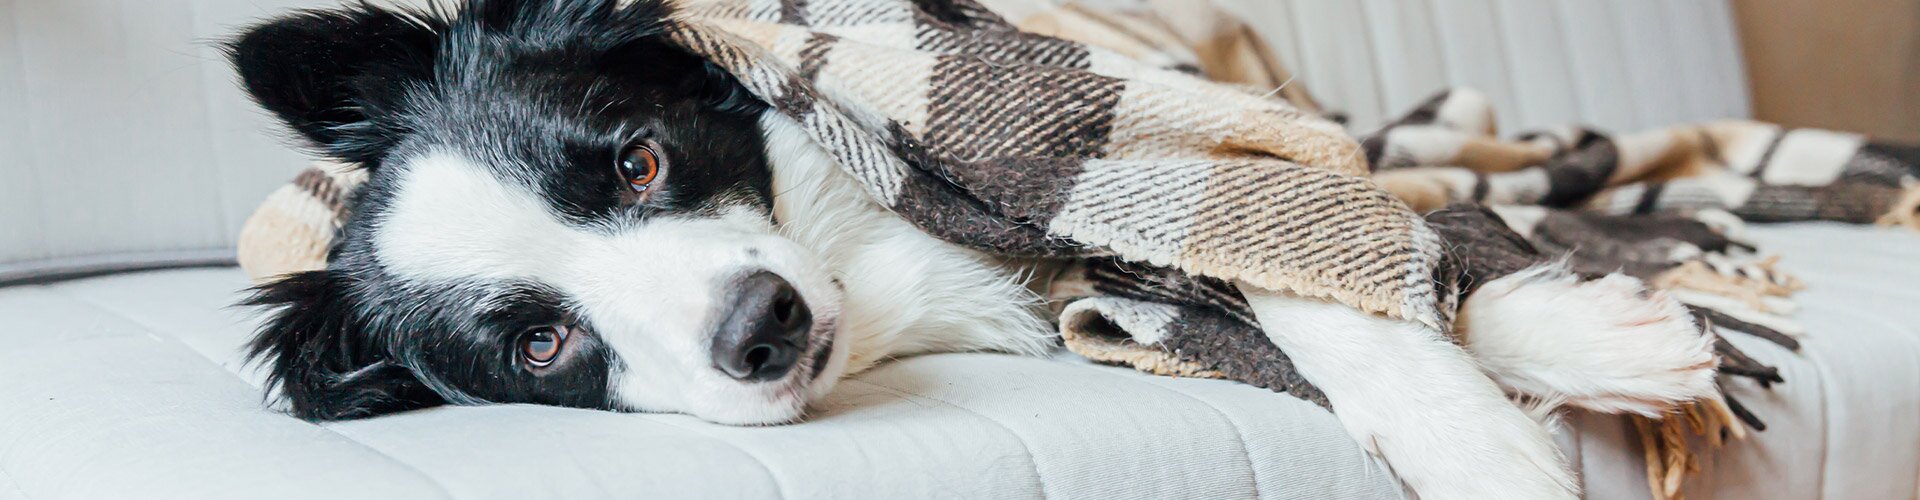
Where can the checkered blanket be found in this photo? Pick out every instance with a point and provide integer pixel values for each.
(1445, 152)
(1659, 205)
(1024, 145)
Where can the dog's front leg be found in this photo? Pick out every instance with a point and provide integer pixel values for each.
(1415, 400)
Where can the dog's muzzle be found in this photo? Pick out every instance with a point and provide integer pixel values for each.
(764, 330)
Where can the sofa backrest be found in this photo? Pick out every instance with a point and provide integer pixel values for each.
(124, 143)
(1615, 64)
(123, 140)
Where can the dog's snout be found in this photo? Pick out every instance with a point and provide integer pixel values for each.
(764, 330)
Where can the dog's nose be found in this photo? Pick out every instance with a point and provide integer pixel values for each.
(764, 331)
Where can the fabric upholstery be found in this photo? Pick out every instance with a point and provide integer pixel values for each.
(123, 132)
(1620, 65)
(131, 386)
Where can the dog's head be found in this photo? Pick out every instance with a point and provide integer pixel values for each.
(562, 208)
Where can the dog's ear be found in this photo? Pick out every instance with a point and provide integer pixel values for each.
(320, 357)
(632, 38)
(705, 81)
(330, 74)
(725, 93)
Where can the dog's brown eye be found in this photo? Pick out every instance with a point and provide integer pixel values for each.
(640, 165)
(540, 346)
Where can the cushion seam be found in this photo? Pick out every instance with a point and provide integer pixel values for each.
(1825, 385)
(7, 481)
(1025, 447)
(1240, 435)
(437, 484)
(58, 269)
(779, 486)
(174, 338)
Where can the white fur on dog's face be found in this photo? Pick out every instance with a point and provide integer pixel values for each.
(650, 290)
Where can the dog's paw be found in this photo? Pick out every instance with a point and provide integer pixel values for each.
(1607, 345)
(1454, 435)
(1411, 397)
(1467, 448)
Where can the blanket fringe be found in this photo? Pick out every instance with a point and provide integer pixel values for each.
(1674, 444)
(1670, 448)
(1698, 276)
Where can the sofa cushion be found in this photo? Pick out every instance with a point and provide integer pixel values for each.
(132, 386)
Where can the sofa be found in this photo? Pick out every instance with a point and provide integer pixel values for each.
(128, 162)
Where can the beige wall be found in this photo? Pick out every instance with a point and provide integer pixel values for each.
(1838, 64)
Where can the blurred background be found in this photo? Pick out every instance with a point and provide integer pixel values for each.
(1836, 64)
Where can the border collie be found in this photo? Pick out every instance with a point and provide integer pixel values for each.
(564, 209)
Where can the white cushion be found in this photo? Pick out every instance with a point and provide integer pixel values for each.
(131, 386)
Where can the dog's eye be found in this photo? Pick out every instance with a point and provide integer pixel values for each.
(640, 165)
(540, 346)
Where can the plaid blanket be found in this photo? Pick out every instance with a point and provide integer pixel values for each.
(1169, 192)
(1660, 205)
(1025, 145)
(1437, 155)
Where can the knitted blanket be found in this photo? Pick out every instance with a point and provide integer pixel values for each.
(1169, 192)
(1444, 152)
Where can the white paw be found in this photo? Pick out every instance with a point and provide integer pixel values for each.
(1607, 345)
(1416, 400)
(1477, 445)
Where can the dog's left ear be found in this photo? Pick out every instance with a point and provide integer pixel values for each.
(322, 358)
(633, 38)
(331, 74)
(709, 84)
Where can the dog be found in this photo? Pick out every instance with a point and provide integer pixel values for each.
(563, 208)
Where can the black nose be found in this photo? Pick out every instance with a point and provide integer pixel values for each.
(763, 331)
